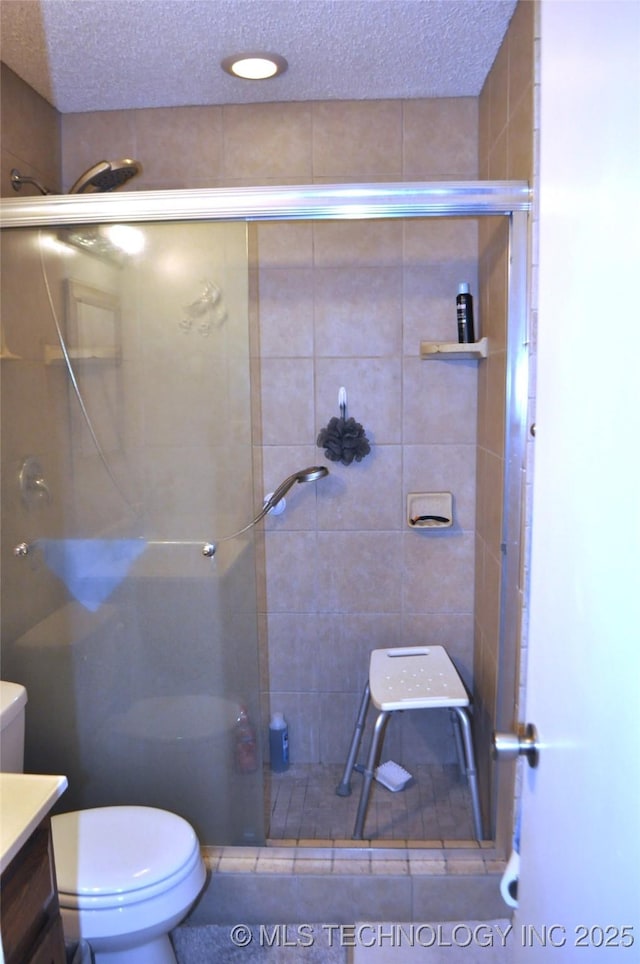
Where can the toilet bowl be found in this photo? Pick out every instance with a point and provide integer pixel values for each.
(126, 877)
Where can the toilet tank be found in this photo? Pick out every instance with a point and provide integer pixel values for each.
(13, 699)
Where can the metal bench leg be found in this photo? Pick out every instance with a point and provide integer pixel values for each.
(472, 776)
(344, 787)
(462, 763)
(374, 752)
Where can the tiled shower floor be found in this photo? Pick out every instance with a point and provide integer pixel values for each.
(303, 804)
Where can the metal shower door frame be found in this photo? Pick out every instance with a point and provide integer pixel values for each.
(299, 202)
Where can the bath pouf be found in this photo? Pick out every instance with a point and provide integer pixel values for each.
(344, 440)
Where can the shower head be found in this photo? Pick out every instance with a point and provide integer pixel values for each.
(103, 176)
(106, 176)
(312, 474)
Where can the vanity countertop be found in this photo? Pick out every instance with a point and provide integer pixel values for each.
(25, 798)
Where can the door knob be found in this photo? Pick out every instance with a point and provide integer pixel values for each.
(508, 746)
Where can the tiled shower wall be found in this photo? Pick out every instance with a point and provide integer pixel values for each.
(346, 304)
(31, 136)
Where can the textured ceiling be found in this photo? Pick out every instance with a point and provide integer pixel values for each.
(88, 55)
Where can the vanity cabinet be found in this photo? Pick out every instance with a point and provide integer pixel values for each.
(31, 923)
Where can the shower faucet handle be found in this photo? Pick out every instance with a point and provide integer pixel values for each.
(32, 482)
(209, 550)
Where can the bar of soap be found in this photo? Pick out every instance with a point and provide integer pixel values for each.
(392, 776)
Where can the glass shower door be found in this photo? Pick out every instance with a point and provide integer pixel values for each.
(128, 389)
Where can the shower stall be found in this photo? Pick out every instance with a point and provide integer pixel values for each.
(139, 578)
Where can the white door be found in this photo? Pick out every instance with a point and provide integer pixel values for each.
(580, 849)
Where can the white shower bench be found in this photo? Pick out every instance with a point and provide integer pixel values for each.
(410, 678)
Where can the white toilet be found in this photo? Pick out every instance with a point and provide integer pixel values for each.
(126, 875)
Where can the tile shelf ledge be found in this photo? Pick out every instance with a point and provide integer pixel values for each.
(5, 352)
(53, 354)
(453, 349)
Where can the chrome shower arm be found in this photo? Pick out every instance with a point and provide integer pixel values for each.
(18, 179)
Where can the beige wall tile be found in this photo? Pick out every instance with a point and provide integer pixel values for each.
(341, 243)
(499, 158)
(292, 572)
(357, 139)
(358, 311)
(267, 141)
(494, 269)
(343, 660)
(499, 92)
(429, 294)
(286, 312)
(521, 138)
(521, 52)
(438, 571)
(281, 461)
(103, 136)
(364, 496)
(287, 401)
(484, 128)
(490, 488)
(439, 402)
(30, 136)
(443, 468)
(179, 147)
(495, 400)
(358, 571)
(374, 389)
(451, 630)
(440, 138)
(291, 670)
(285, 244)
(440, 241)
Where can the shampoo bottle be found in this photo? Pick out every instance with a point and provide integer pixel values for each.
(279, 743)
(246, 743)
(464, 308)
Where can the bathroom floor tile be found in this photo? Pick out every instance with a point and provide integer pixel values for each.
(303, 805)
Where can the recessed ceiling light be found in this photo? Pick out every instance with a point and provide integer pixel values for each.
(255, 66)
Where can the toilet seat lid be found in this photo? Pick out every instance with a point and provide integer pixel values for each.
(119, 850)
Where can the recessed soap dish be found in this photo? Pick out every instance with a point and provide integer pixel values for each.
(430, 510)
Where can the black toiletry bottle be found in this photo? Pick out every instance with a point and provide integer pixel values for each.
(464, 308)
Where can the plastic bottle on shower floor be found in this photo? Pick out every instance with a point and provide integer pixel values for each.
(279, 743)
(464, 310)
(246, 743)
